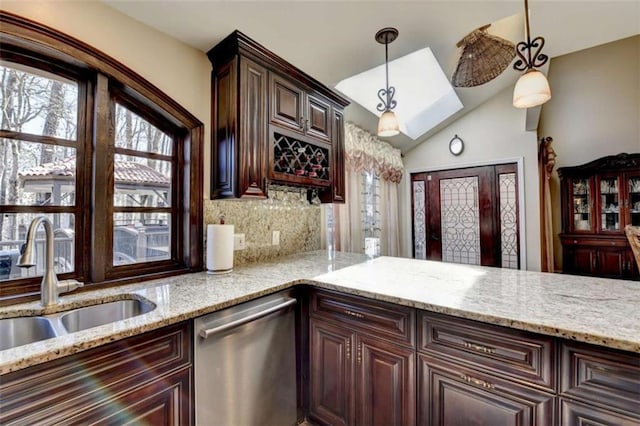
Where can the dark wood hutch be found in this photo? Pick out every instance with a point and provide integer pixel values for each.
(598, 199)
(272, 122)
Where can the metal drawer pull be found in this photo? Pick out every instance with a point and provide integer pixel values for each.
(477, 382)
(208, 332)
(480, 348)
(353, 314)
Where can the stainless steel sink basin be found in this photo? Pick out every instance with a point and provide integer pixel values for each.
(24, 330)
(96, 315)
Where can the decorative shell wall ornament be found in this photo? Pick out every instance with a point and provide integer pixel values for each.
(483, 58)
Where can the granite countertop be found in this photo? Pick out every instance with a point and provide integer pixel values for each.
(594, 310)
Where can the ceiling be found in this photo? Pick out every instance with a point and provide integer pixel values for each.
(332, 40)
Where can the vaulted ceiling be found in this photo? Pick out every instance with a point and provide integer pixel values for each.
(332, 40)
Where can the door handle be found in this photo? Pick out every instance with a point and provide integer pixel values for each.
(208, 332)
(434, 237)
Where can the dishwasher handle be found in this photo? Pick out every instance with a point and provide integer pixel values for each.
(208, 332)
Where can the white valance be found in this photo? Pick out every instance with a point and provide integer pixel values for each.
(365, 152)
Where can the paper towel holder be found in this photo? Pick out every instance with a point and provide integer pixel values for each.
(219, 254)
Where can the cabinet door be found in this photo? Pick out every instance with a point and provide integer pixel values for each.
(286, 103)
(161, 402)
(253, 149)
(452, 395)
(317, 118)
(580, 260)
(332, 376)
(581, 205)
(633, 199)
(612, 262)
(337, 195)
(609, 204)
(225, 141)
(386, 383)
(580, 414)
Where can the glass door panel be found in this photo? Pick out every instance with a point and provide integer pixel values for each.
(580, 196)
(609, 204)
(634, 200)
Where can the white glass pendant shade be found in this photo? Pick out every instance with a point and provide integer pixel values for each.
(532, 89)
(388, 124)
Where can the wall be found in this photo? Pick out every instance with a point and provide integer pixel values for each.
(594, 111)
(184, 74)
(493, 132)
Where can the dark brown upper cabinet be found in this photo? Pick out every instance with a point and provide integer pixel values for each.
(271, 122)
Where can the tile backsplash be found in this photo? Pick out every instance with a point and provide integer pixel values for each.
(288, 212)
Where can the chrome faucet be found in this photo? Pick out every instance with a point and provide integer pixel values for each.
(50, 288)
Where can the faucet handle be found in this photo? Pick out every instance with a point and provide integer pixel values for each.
(65, 286)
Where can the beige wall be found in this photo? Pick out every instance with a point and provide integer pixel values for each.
(595, 108)
(493, 133)
(184, 74)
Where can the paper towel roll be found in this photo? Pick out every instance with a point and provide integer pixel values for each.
(219, 249)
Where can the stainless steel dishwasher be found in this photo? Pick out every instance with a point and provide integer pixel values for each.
(245, 364)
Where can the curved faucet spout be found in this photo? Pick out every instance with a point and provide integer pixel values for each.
(50, 288)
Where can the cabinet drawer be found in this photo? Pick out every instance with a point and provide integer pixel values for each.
(453, 394)
(575, 413)
(600, 375)
(524, 357)
(384, 320)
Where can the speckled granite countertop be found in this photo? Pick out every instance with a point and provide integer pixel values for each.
(593, 310)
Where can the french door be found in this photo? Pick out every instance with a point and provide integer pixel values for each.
(467, 215)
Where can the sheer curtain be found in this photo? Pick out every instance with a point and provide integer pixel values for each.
(366, 153)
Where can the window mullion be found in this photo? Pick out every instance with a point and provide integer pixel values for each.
(102, 197)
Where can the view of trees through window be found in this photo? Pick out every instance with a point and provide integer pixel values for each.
(38, 154)
(142, 189)
(37, 162)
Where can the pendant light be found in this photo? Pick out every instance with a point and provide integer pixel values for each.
(532, 88)
(388, 123)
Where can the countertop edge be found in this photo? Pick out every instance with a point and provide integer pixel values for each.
(22, 357)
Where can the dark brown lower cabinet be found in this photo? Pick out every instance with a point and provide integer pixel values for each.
(358, 379)
(450, 394)
(145, 379)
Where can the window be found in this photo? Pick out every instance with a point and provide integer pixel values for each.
(371, 214)
(38, 151)
(112, 162)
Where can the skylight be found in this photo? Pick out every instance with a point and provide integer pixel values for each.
(423, 92)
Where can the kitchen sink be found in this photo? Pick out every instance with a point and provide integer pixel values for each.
(24, 330)
(105, 313)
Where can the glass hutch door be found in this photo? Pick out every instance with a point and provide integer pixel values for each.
(634, 200)
(581, 204)
(609, 204)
